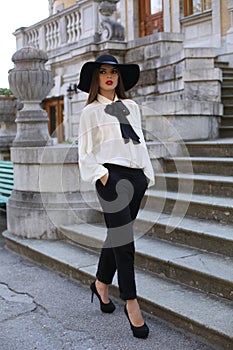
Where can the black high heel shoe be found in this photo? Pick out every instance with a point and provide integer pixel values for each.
(107, 308)
(138, 332)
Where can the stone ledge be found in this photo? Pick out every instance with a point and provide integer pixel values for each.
(45, 155)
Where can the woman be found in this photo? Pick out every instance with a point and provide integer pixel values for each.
(113, 156)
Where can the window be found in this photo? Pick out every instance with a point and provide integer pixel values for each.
(156, 6)
(150, 16)
(196, 6)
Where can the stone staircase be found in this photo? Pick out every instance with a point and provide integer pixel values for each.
(185, 259)
(184, 244)
(226, 125)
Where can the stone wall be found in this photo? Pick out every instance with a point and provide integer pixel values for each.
(169, 70)
(59, 5)
(179, 90)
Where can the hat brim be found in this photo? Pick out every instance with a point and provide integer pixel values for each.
(129, 72)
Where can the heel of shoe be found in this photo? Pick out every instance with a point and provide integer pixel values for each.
(107, 308)
(138, 332)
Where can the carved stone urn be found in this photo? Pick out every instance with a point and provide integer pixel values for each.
(30, 82)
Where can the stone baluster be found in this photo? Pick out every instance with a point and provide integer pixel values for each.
(30, 82)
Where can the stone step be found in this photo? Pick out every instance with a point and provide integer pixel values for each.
(201, 184)
(228, 109)
(226, 85)
(201, 313)
(183, 264)
(226, 131)
(226, 93)
(219, 209)
(199, 165)
(202, 234)
(226, 98)
(221, 64)
(228, 78)
(227, 89)
(227, 120)
(212, 148)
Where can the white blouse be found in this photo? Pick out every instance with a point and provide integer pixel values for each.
(100, 141)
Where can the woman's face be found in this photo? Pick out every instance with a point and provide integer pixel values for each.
(108, 79)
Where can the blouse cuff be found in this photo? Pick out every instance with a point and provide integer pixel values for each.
(101, 172)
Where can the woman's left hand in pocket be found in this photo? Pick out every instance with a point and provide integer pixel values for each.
(104, 179)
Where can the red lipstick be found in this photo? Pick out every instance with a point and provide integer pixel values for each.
(109, 82)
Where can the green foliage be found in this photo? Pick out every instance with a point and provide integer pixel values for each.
(5, 92)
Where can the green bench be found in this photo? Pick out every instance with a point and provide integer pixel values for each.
(6, 181)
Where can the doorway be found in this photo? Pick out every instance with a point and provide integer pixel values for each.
(55, 110)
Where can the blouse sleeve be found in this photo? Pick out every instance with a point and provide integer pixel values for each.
(90, 169)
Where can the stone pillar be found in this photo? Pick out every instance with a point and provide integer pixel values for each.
(216, 23)
(47, 191)
(230, 8)
(176, 28)
(30, 82)
(230, 31)
(167, 16)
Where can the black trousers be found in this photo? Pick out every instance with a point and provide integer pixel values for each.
(120, 199)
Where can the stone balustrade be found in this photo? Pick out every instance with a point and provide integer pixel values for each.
(87, 22)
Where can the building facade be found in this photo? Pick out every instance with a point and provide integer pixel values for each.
(182, 47)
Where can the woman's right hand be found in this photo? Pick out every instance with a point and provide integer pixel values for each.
(104, 179)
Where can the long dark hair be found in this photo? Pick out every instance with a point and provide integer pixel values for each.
(94, 87)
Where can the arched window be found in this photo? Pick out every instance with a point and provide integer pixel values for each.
(150, 16)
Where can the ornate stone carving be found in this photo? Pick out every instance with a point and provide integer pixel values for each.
(107, 8)
(30, 82)
(109, 28)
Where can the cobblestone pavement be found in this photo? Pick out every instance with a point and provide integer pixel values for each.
(44, 310)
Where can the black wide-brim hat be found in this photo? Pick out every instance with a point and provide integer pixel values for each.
(129, 72)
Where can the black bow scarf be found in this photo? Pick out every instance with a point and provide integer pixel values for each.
(120, 111)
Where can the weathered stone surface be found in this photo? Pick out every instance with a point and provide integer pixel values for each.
(135, 55)
(8, 108)
(148, 78)
(199, 91)
(200, 74)
(47, 192)
(167, 73)
(152, 51)
(196, 63)
(180, 71)
(168, 87)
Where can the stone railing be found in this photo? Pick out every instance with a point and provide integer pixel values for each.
(88, 21)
